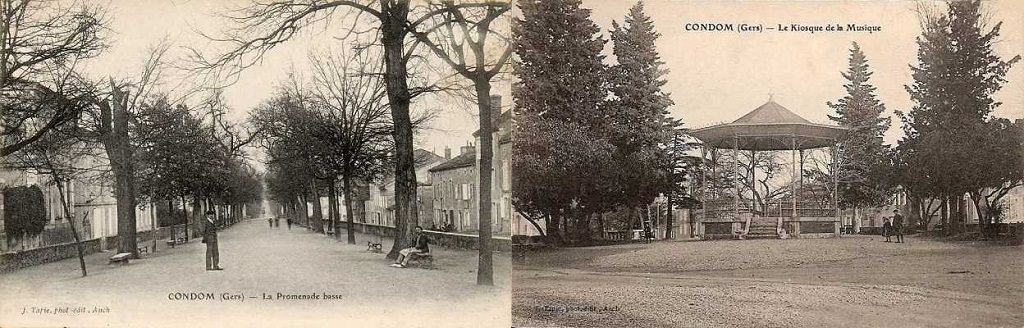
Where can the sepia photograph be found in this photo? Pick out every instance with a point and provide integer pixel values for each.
(768, 164)
(240, 163)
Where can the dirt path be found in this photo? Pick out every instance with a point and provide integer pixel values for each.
(851, 282)
(260, 261)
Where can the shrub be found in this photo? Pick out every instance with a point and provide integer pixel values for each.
(24, 210)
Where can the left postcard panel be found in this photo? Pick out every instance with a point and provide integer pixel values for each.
(255, 163)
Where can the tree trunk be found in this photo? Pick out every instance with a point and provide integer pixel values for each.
(170, 214)
(318, 215)
(114, 127)
(332, 202)
(71, 224)
(349, 225)
(485, 274)
(552, 230)
(394, 17)
(944, 215)
(304, 209)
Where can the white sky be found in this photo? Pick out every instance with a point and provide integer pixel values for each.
(137, 25)
(719, 76)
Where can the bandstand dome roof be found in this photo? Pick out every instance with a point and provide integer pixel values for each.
(769, 127)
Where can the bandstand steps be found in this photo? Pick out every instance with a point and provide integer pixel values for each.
(761, 230)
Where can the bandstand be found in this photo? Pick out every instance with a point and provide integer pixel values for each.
(726, 214)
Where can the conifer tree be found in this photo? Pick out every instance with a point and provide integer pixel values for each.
(957, 73)
(864, 164)
(639, 111)
(559, 126)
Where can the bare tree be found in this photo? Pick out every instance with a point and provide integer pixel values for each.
(458, 35)
(108, 122)
(353, 94)
(260, 27)
(38, 37)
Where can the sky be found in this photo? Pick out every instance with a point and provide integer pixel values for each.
(717, 77)
(136, 26)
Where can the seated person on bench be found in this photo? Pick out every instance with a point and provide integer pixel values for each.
(421, 246)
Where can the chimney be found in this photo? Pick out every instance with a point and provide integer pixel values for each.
(447, 153)
(467, 149)
(495, 106)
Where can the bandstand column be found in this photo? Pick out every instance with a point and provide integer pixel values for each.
(703, 192)
(735, 182)
(792, 181)
(835, 185)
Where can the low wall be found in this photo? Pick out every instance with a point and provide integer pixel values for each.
(804, 227)
(22, 259)
(443, 239)
(17, 260)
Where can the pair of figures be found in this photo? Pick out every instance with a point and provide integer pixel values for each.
(894, 227)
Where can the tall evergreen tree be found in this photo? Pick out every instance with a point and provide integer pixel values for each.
(864, 163)
(639, 124)
(560, 87)
(956, 76)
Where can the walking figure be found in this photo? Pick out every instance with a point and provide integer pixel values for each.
(288, 221)
(887, 230)
(270, 221)
(210, 239)
(897, 225)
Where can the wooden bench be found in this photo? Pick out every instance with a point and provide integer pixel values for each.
(423, 260)
(173, 242)
(121, 258)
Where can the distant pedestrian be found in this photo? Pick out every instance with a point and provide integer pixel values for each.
(271, 222)
(277, 222)
(210, 239)
(887, 230)
(897, 225)
(288, 221)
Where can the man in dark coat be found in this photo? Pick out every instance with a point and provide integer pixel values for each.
(420, 246)
(897, 225)
(210, 239)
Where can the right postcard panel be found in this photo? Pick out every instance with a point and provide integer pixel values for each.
(767, 164)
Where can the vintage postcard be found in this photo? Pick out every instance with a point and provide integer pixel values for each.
(526, 163)
(768, 164)
(255, 163)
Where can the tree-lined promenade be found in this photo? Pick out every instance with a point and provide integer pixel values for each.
(170, 288)
(166, 132)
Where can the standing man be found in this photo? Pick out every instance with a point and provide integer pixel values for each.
(897, 225)
(421, 246)
(210, 239)
(887, 230)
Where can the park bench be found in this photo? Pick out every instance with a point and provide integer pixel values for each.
(423, 260)
(121, 258)
(173, 242)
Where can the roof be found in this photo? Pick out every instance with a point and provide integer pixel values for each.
(769, 127)
(501, 124)
(770, 113)
(464, 160)
(424, 157)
